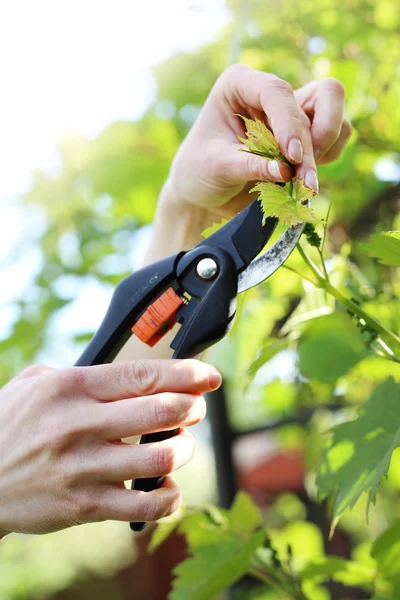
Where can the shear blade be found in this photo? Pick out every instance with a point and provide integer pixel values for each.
(265, 265)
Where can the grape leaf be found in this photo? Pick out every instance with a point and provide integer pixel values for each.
(359, 452)
(327, 336)
(385, 247)
(386, 551)
(302, 193)
(244, 515)
(214, 567)
(339, 569)
(277, 202)
(260, 140)
(222, 544)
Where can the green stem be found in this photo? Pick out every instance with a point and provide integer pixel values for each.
(326, 227)
(311, 265)
(279, 579)
(302, 275)
(293, 594)
(323, 264)
(390, 338)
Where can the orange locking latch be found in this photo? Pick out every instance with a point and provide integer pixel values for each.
(158, 318)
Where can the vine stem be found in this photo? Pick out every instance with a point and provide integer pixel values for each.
(390, 338)
(267, 579)
(302, 275)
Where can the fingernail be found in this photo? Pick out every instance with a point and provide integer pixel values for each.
(311, 181)
(274, 170)
(295, 150)
(215, 379)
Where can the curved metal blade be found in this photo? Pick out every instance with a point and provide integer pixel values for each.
(265, 265)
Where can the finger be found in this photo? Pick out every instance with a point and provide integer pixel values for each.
(120, 504)
(122, 462)
(138, 378)
(335, 151)
(324, 101)
(275, 97)
(148, 414)
(244, 167)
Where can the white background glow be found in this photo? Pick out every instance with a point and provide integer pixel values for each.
(77, 65)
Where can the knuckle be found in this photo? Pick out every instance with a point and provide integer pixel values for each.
(34, 370)
(81, 506)
(327, 134)
(280, 85)
(234, 71)
(335, 86)
(167, 408)
(174, 502)
(165, 460)
(145, 375)
(255, 167)
(347, 128)
(87, 507)
(64, 380)
(163, 506)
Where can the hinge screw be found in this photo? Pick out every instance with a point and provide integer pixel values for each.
(207, 268)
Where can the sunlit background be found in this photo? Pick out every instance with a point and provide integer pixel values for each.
(95, 97)
(77, 66)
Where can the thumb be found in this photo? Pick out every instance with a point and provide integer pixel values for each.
(245, 167)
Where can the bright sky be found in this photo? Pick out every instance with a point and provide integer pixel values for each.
(82, 64)
(78, 64)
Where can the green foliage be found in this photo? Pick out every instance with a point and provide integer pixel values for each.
(222, 545)
(276, 201)
(359, 452)
(260, 140)
(331, 345)
(386, 247)
(297, 357)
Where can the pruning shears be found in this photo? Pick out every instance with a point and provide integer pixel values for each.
(196, 289)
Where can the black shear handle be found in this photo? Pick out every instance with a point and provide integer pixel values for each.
(152, 483)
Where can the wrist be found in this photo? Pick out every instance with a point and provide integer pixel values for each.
(177, 225)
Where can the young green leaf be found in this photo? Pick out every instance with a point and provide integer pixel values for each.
(359, 453)
(277, 202)
(385, 247)
(260, 140)
(244, 515)
(327, 336)
(302, 193)
(339, 569)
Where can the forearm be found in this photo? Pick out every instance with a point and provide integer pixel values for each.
(177, 226)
